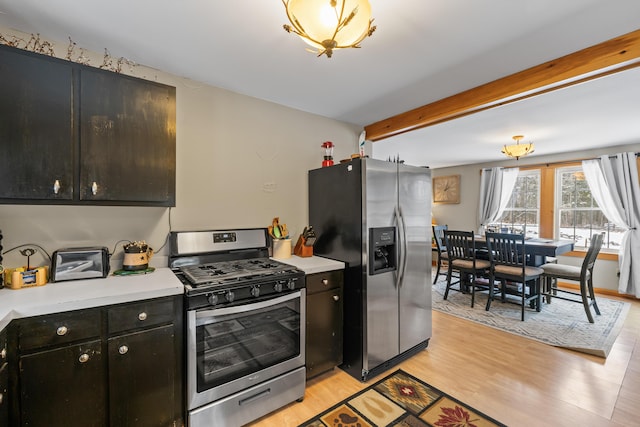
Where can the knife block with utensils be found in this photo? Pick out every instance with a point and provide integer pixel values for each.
(301, 249)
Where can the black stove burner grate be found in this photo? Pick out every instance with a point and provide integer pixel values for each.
(234, 272)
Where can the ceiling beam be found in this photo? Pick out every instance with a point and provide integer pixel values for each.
(612, 55)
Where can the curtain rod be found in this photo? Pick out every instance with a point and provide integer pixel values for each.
(535, 165)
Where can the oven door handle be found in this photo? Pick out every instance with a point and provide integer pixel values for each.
(247, 307)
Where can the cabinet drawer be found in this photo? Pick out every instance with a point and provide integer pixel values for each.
(59, 328)
(141, 315)
(319, 282)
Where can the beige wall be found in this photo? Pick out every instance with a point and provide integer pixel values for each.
(465, 215)
(240, 162)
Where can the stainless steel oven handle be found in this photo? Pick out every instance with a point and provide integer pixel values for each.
(247, 307)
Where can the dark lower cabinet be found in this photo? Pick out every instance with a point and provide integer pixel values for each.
(124, 368)
(63, 387)
(141, 381)
(4, 380)
(324, 322)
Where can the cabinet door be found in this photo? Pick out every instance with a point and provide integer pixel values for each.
(142, 378)
(63, 387)
(4, 396)
(324, 331)
(36, 138)
(4, 380)
(127, 139)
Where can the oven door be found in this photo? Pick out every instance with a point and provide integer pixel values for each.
(233, 348)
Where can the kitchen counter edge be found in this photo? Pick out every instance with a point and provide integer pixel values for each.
(80, 294)
(313, 264)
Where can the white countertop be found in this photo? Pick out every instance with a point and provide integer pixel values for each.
(78, 294)
(313, 264)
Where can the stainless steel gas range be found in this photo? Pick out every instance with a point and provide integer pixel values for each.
(245, 326)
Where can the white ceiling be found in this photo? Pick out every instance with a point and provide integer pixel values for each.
(422, 51)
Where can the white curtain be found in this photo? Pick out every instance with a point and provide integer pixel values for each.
(496, 185)
(613, 182)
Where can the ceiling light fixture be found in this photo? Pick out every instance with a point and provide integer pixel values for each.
(518, 150)
(327, 25)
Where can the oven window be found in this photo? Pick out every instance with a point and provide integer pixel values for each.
(234, 345)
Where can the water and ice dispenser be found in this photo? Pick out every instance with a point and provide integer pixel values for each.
(382, 250)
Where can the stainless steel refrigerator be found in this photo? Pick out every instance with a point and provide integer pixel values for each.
(375, 216)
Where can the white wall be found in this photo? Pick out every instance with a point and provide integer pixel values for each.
(464, 216)
(240, 162)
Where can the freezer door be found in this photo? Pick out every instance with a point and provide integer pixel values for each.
(381, 326)
(414, 205)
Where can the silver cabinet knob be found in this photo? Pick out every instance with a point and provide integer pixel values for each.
(94, 188)
(56, 187)
(142, 316)
(336, 298)
(3, 354)
(325, 282)
(84, 357)
(62, 330)
(123, 349)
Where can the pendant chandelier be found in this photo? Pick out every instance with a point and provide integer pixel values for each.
(518, 150)
(328, 25)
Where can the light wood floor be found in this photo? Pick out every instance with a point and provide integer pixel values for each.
(518, 381)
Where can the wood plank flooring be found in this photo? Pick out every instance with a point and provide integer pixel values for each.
(518, 381)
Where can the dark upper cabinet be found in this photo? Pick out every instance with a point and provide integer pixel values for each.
(36, 133)
(127, 136)
(74, 134)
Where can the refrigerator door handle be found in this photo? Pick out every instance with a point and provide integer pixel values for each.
(403, 244)
(399, 250)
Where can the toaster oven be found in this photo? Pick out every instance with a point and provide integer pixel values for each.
(80, 263)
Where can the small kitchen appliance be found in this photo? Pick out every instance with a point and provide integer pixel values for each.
(245, 326)
(80, 263)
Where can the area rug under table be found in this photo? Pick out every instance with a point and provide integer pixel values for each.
(561, 323)
(401, 399)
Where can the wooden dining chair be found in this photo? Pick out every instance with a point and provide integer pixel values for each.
(462, 258)
(441, 249)
(582, 274)
(508, 258)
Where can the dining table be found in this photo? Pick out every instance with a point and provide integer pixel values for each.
(537, 249)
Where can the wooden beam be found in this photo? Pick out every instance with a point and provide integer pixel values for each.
(615, 54)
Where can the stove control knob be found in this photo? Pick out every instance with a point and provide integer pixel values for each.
(291, 284)
(213, 299)
(255, 291)
(278, 287)
(229, 296)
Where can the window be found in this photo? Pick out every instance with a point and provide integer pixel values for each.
(578, 214)
(563, 192)
(522, 214)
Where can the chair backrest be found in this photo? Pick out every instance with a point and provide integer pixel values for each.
(460, 244)
(592, 253)
(438, 236)
(506, 249)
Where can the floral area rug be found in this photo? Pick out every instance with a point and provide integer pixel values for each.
(401, 399)
(561, 323)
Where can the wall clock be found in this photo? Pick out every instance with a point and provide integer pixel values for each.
(446, 189)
